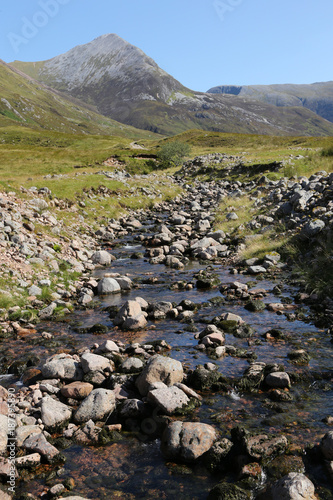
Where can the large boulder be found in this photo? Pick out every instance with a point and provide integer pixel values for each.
(130, 316)
(54, 414)
(99, 404)
(187, 440)
(107, 286)
(62, 366)
(102, 258)
(93, 362)
(169, 399)
(294, 486)
(159, 369)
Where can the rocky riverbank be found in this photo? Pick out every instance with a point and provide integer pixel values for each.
(93, 394)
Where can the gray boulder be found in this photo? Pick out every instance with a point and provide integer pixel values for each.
(102, 258)
(187, 440)
(93, 362)
(159, 369)
(62, 366)
(169, 399)
(99, 404)
(312, 228)
(294, 486)
(108, 286)
(130, 316)
(53, 413)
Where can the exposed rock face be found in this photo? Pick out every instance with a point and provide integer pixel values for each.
(187, 440)
(141, 91)
(159, 369)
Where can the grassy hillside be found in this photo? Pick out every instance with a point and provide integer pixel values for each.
(30, 104)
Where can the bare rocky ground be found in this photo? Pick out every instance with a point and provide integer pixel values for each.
(88, 395)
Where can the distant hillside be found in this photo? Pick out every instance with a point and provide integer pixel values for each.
(123, 83)
(318, 97)
(26, 102)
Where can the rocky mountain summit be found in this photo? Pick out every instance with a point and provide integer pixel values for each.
(123, 83)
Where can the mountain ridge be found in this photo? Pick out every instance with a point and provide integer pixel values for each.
(318, 97)
(125, 84)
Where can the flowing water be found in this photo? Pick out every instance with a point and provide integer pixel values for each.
(133, 467)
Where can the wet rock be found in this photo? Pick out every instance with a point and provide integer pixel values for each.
(326, 445)
(299, 357)
(108, 286)
(256, 270)
(169, 399)
(93, 362)
(173, 262)
(217, 454)
(102, 258)
(77, 390)
(226, 491)
(124, 283)
(278, 380)
(132, 408)
(187, 440)
(159, 369)
(62, 366)
(27, 461)
(54, 414)
(159, 310)
(130, 316)
(39, 444)
(294, 486)
(260, 446)
(202, 379)
(255, 306)
(99, 404)
(56, 490)
(87, 434)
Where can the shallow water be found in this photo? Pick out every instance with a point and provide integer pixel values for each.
(134, 467)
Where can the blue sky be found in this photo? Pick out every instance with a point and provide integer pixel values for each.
(202, 43)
